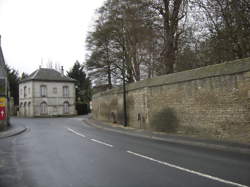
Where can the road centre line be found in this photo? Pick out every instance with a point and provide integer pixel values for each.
(188, 170)
(79, 134)
(100, 142)
(94, 140)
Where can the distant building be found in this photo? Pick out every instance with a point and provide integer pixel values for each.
(4, 93)
(47, 92)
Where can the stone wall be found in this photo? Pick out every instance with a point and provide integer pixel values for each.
(212, 101)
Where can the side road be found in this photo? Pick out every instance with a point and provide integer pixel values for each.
(211, 144)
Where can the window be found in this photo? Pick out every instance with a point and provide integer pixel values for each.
(54, 109)
(21, 109)
(43, 91)
(55, 90)
(65, 107)
(43, 108)
(25, 109)
(25, 91)
(29, 91)
(29, 105)
(3, 86)
(65, 91)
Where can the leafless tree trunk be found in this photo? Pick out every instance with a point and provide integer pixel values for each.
(172, 11)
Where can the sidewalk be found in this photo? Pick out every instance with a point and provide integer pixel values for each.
(211, 144)
(12, 131)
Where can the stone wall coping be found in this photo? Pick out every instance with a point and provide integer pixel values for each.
(226, 68)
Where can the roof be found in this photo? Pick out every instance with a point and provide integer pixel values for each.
(45, 74)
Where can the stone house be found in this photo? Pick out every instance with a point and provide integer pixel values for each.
(4, 93)
(47, 92)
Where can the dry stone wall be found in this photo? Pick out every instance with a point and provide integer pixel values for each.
(212, 101)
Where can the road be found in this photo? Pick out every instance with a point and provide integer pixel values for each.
(66, 152)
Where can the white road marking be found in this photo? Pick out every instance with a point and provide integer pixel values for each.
(77, 133)
(100, 142)
(188, 170)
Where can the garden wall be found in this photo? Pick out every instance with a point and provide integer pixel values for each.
(210, 101)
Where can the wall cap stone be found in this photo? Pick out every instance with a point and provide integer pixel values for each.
(226, 68)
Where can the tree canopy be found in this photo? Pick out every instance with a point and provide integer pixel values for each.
(156, 37)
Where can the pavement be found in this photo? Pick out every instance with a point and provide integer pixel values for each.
(211, 144)
(69, 152)
(12, 131)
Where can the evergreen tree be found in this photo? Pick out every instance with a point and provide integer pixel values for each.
(13, 82)
(83, 90)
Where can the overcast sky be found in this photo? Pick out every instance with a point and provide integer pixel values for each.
(36, 31)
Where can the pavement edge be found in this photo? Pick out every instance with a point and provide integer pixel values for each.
(213, 146)
(12, 132)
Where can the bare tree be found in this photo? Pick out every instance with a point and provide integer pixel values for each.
(227, 24)
(172, 12)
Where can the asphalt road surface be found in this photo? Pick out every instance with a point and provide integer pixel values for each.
(66, 152)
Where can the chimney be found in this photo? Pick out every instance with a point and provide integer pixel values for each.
(62, 71)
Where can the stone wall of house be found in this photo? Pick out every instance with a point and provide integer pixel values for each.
(213, 101)
(4, 93)
(30, 105)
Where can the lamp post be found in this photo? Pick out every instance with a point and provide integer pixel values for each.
(123, 73)
(124, 95)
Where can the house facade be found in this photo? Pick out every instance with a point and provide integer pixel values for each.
(4, 93)
(47, 92)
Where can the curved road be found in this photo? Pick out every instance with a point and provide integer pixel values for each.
(66, 152)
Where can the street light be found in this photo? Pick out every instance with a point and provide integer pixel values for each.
(124, 95)
(123, 73)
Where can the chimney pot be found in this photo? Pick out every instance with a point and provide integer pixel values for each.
(62, 71)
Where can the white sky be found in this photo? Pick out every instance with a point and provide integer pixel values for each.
(52, 30)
